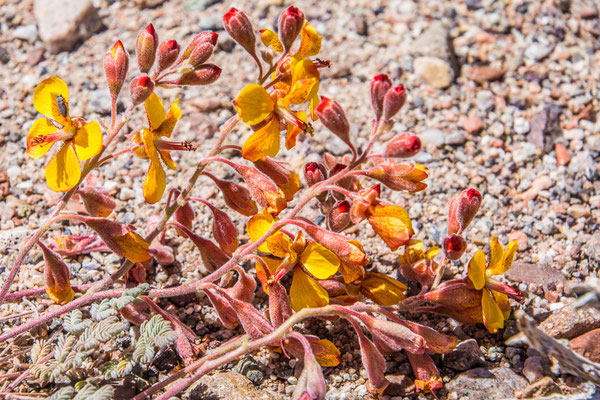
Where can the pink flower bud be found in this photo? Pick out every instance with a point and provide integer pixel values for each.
(224, 230)
(253, 321)
(236, 196)
(116, 64)
(204, 75)
(362, 201)
(240, 29)
(280, 307)
(289, 26)
(56, 277)
(379, 87)
(403, 145)
(245, 286)
(140, 88)
(314, 173)
(212, 256)
(396, 336)
(227, 315)
(373, 361)
(202, 42)
(185, 214)
(265, 191)
(145, 48)
(338, 217)
(135, 312)
(333, 117)
(454, 246)
(162, 254)
(274, 169)
(463, 210)
(393, 101)
(97, 201)
(166, 55)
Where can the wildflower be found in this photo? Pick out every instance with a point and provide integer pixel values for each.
(153, 147)
(391, 223)
(494, 300)
(416, 264)
(308, 260)
(82, 140)
(56, 277)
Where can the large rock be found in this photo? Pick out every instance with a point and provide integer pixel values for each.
(483, 384)
(436, 62)
(465, 356)
(539, 274)
(64, 23)
(587, 345)
(567, 323)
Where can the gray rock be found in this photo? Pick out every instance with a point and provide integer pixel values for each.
(26, 32)
(567, 323)
(545, 127)
(485, 100)
(432, 137)
(537, 51)
(4, 55)
(584, 8)
(78, 21)
(533, 369)
(456, 139)
(198, 5)
(538, 274)
(434, 71)
(591, 248)
(465, 356)
(483, 384)
(523, 152)
(436, 63)
(521, 126)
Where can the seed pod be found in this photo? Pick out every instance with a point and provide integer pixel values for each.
(204, 75)
(140, 88)
(338, 217)
(280, 308)
(224, 230)
(373, 361)
(56, 277)
(97, 201)
(289, 26)
(227, 315)
(116, 64)
(145, 48)
(245, 286)
(379, 87)
(236, 196)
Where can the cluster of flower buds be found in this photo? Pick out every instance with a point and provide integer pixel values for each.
(462, 211)
(386, 99)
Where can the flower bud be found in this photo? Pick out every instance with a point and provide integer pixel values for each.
(145, 48)
(205, 75)
(212, 256)
(333, 117)
(167, 53)
(135, 312)
(97, 201)
(56, 277)
(379, 87)
(311, 384)
(245, 286)
(373, 361)
(462, 210)
(362, 201)
(403, 145)
(201, 46)
(224, 231)
(162, 254)
(289, 26)
(140, 88)
(185, 214)
(116, 64)
(396, 336)
(119, 238)
(227, 315)
(240, 28)
(400, 176)
(253, 321)
(427, 376)
(393, 101)
(280, 307)
(455, 294)
(338, 217)
(314, 173)
(236, 196)
(454, 246)
(265, 191)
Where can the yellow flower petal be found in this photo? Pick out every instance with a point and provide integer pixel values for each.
(60, 295)
(291, 187)
(305, 292)
(51, 98)
(63, 171)
(299, 92)
(38, 140)
(254, 104)
(493, 318)
(156, 181)
(477, 270)
(509, 255)
(257, 226)
(326, 353)
(319, 261)
(495, 266)
(134, 247)
(279, 245)
(270, 39)
(310, 41)
(392, 224)
(168, 124)
(263, 142)
(88, 140)
(155, 111)
(165, 156)
(293, 131)
(382, 289)
(413, 252)
(502, 301)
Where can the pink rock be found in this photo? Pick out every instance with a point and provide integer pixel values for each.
(587, 345)
(472, 125)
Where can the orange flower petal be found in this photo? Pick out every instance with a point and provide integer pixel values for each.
(254, 104)
(392, 224)
(310, 41)
(39, 138)
(264, 142)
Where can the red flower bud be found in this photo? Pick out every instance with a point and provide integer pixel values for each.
(56, 277)
(140, 88)
(236, 196)
(265, 191)
(227, 315)
(289, 26)
(333, 117)
(462, 210)
(97, 201)
(224, 230)
(454, 294)
(379, 87)
(245, 286)
(403, 145)
(212, 256)
(240, 29)
(393, 101)
(313, 174)
(166, 55)
(373, 361)
(116, 64)
(145, 48)
(185, 214)
(454, 247)
(205, 75)
(197, 45)
(338, 217)
(280, 307)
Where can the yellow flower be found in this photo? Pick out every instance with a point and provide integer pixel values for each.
(310, 40)
(494, 300)
(155, 148)
(81, 140)
(308, 260)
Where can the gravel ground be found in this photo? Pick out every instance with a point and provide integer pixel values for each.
(503, 97)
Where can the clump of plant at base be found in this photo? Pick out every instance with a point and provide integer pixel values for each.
(307, 270)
